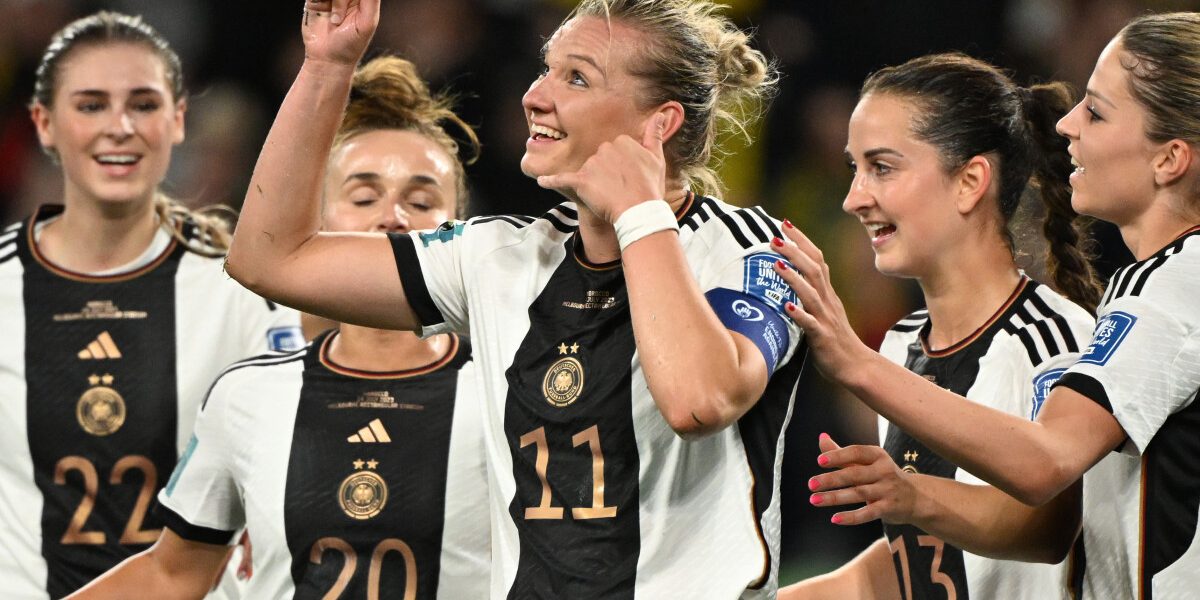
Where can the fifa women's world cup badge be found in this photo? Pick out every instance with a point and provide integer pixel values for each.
(100, 410)
(363, 493)
(564, 379)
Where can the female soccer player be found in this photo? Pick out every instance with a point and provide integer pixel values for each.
(117, 314)
(357, 464)
(607, 329)
(943, 148)
(1127, 406)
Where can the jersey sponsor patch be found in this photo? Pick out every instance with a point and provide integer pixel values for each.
(444, 233)
(285, 339)
(1041, 389)
(1109, 333)
(754, 319)
(761, 281)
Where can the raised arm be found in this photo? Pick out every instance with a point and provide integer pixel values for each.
(1033, 461)
(277, 250)
(977, 518)
(703, 377)
(173, 568)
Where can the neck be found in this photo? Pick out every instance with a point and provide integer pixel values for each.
(598, 236)
(1154, 229)
(961, 296)
(383, 350)
(91, 236)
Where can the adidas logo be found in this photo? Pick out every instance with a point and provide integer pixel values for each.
(103, 347)
(373, 433)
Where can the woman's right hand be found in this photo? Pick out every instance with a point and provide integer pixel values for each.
(865, 474)
(338, 31)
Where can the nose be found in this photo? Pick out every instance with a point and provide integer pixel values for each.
(536, 98)
(1066, 126)
(395, 219)
(120, 126)
(857, 197)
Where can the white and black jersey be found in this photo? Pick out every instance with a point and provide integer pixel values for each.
(100, 380)
(1143, 365)
(1007, 364)
(349, 482)
(593, 494)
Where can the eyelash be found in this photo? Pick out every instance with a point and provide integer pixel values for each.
(1092, 114)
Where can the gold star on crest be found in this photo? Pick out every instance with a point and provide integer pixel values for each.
(574, 348)
(94, 379)
(107, 379)
(562, 348)
(371, 464)
(911, 456)
(358, 464)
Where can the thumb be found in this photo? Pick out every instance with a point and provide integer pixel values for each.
(652, 136)
(826, 443)
(558, 182)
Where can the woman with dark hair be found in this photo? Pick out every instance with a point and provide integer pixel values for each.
(117, 313)
(1125, 412)
(943, 148)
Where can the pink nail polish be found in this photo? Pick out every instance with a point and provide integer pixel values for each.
(836, 519)
(823, 460)
(823, 436)
(813, 484)
(815, 499)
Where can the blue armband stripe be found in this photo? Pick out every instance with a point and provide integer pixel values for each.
(753, 318)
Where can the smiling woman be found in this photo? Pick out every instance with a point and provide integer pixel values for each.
(117, 312)
(638, 370)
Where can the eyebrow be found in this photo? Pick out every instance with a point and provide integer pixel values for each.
(1100, 97)
(589, 60)
(133, 92)
(872, 153)
(371, 177)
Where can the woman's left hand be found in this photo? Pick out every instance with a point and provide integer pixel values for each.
(865, 474)
(620, 174)
(835, 346)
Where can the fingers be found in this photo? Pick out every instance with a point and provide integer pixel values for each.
(652, 135)
(826, 443)
(560, 181)
(246, 567)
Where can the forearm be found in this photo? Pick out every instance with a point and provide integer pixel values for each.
(145, 574)
(1019, 456)
(282, 205)
(871, 574)
(699, 377)
(985, 521)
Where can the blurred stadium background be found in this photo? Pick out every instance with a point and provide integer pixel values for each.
(239, 58)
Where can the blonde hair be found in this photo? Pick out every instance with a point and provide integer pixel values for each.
(205, 231)
(388, 93)
(698, 57)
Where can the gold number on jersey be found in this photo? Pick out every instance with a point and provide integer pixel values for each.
(374, 570)
(935, 574)
(133, 533)
(544, 510)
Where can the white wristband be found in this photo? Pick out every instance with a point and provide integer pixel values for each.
(641, 220)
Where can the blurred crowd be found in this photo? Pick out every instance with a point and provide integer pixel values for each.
(240, 57)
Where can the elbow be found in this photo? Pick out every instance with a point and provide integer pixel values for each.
(1042, 485)
(694, 417)
(238, 268)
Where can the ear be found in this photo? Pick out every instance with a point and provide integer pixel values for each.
(1172, 162)
(972, 183)
(180, 110)
(673, 114)
(41, 121)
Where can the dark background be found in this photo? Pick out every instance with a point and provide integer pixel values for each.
(240, 57)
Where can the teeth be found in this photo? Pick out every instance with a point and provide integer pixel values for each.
(546, 131)
(1078, 168)
(117, 159)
